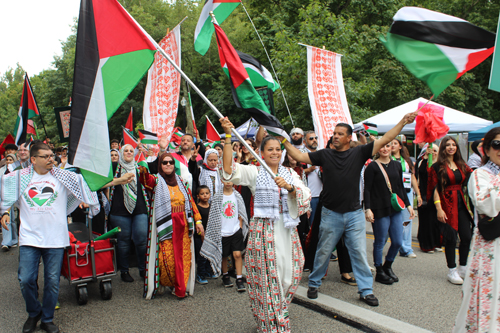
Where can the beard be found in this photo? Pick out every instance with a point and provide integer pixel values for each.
(297, 142)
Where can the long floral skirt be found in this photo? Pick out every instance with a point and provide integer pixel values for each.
(480, 309)
(274, 262)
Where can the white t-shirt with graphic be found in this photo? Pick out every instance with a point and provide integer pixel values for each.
(43, 207)
(230, 221)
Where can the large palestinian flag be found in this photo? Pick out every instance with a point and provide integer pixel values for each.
(27, 110)
(112, 54)
(259, 75)
(204, 28)
(244, 94)
(435, 47)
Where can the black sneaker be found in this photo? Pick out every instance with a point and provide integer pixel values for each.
(371, 300)
(240, 286)
(30, 324)
(49, 327)
(333, 257)
(226, 281)
(312, 293)
(126, 277)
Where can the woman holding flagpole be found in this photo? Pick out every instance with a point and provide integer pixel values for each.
(171, 246)
(274, 258)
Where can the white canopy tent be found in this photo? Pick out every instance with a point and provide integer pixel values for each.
(459, 122)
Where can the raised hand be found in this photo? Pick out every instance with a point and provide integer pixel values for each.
(195, 153)
(163, 142)
(226, 125)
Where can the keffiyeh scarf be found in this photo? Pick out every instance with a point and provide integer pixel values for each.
(130, 189)
(163, 208)
(491, 167)
(13, 185)
(268, 195)
(212, 245)
(210, 177)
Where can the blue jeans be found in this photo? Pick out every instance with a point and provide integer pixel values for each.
(394, 225)
(203, 267)
(314, 205)
(29, 259)
(134, 227)
(352, 226)
(9, 238)
(406, 245)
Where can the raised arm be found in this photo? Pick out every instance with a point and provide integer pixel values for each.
(295, 153)
(227, 154)
(393, 132)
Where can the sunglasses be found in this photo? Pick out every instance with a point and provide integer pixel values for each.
(168, 162)
(495, 144)
(312, 138)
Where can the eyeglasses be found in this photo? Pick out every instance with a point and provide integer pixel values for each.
(168, 162)
(312, 138)
(495, 144)
(46, 157)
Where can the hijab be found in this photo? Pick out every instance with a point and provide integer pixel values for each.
(169, 179)
(130, 189)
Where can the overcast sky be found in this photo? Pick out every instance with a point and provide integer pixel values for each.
(32, 31)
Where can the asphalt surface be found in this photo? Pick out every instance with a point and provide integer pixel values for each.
(423, 297)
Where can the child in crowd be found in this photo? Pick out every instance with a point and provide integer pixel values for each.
(203, 265)
(226, 231)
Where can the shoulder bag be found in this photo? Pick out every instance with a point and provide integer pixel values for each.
(396, 202)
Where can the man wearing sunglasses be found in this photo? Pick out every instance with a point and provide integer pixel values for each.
(45, 195)
(314, 180)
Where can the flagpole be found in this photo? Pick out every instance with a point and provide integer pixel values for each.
(39, 111)
(212, 107)
(268, 58)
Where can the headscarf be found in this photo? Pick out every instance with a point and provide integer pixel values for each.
(218, 145)
(13, 156)
(130, 189)
(114, 149)
(169, 179)
(210, 177)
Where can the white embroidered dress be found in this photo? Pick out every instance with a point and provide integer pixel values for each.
(480, 309)
(274, 258)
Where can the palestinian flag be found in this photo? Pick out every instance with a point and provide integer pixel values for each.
(258, 74)
(176, 136)
(27, 110)
(128, 138)
(148, 138)
(212, 134)
(141, 160)
(204, 28)
(244, 94)
(435, 47)
(372, 129)
(113, 53)
(130, 120)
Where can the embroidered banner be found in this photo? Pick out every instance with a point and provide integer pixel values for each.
(326, 92)
(161, 98)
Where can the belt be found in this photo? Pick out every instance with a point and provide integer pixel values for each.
(178, 209)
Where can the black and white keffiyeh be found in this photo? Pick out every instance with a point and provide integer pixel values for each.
(491, 167)
(268, 195)
(130, 189)
(163, 208)
(212, 245)
(210, 177)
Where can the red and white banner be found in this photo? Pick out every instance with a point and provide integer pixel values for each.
(161, 98)
(326, 92)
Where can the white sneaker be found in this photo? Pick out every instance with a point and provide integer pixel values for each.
(453, 276)
(412, 255)
(438, 249)
(461, 271)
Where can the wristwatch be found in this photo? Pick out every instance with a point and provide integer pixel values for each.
(292, 189)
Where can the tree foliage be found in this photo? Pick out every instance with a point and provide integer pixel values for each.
(374, 80)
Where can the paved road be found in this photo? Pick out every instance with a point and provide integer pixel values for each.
(423, 297)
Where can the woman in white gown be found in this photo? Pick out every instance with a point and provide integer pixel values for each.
(274, 257)
(480, 310)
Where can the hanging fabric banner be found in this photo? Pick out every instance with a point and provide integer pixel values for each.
(161, 99)
(326, 92)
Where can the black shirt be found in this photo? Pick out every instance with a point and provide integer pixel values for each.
(118, 206)
(377, 194)
(204, 218)
(341, 176)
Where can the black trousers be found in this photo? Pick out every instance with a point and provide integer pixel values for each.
(465, 234)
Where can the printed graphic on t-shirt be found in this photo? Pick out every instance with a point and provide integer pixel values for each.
(229, 210)
(40, 195)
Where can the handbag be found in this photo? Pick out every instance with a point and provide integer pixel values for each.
(396, 202)
(489, 227)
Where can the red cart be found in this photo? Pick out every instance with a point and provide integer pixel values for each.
(89, 261)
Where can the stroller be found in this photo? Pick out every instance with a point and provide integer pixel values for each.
(87, 260)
